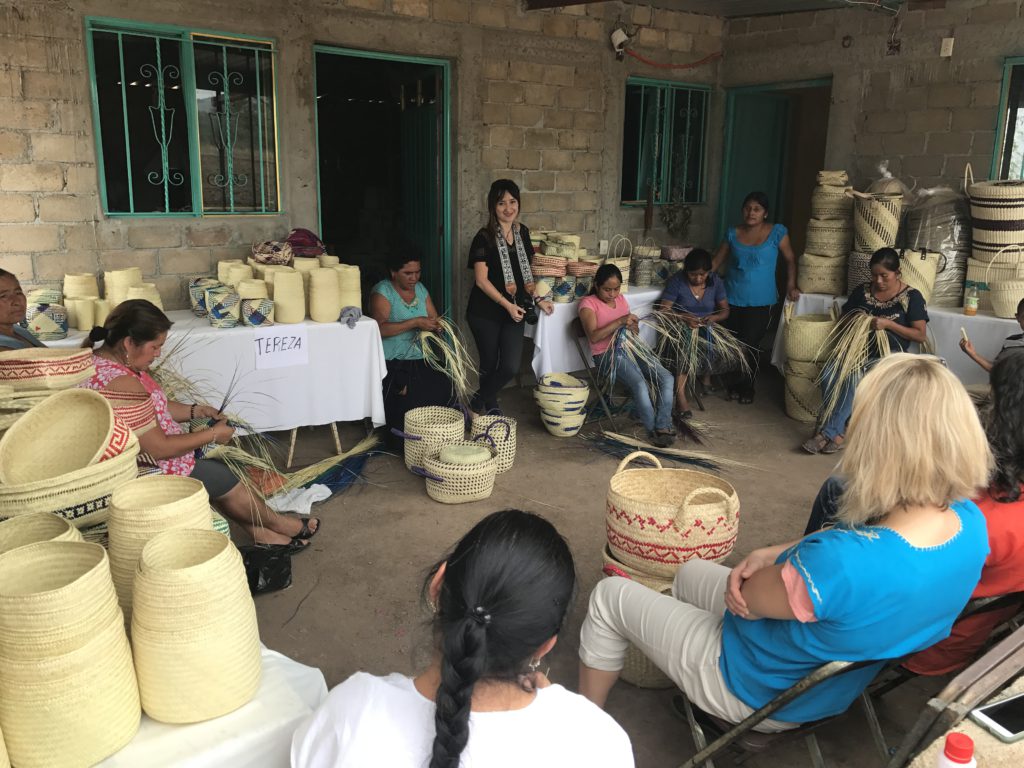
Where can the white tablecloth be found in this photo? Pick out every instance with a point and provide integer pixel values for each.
(341, 382)
(259, 735)
(986, 332)
(553, 348)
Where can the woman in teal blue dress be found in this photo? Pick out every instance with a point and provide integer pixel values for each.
(753, 250)
(12, 312)
(402, 308)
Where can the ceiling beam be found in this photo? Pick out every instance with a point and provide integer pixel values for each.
(538, 5)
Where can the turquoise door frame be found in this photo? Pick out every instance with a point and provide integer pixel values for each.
(442, 302)
(725, 194)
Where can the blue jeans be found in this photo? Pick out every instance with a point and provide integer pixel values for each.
(826, 504)
(835, 424)
(656, 415)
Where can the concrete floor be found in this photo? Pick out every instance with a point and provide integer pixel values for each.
(355, 601)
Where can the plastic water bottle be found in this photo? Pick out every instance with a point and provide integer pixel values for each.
(958, 752)
(971, 299)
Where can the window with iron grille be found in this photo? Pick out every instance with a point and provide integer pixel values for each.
(185, 121)
(1008, 160)
(663, 142)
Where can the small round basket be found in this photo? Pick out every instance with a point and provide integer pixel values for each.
(807, 335)
(257, 313)
(224, 307)
(197, 288)
(38, 526)
(501, 430)
(459, 483)
(563, 424)
(429, 428)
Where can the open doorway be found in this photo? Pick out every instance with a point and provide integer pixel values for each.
(383, 142)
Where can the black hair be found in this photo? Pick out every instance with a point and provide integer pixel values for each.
(1006, 425)
(1020, 307)
(507, 587)
(887, 257)
(497, 191)
(401, 253)
(4, 273)
(135, 319)
(756, 197)
(604, 272)
(696, 259)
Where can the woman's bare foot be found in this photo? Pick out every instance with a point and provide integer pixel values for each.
(262, 535)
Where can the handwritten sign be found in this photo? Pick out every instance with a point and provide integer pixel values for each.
(281, 346)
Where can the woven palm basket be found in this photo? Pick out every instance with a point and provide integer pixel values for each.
(641, 269)
(44, 296)
(876, 220)
(833, 178)
(583, 284)
(142, 508)
(224, 267)
(326, 260)
(638, 670)
(501, 430)
(147, 292)
(822, 274)
(829, 237)
(116, 283)
(47, 322)
(5, 759)
(803, 392)
(38, 526)
(81, 312)
(1006, 292)
(324, 296)
(68, 692)
(581, 268)
(272, 252)
(562, 383)
(831, 202)
(857, 270)
(289, 298)
(557, 403)
(451, 483)
(978, 275)
(563, 423)
(29, 369)
(81, 284)
(564, 290)
(81, 496)
(649, 251)
(657, 519)
(806, 335)
(252, 289)
(918, 270)
(429, 428)
(257, 313)
(223, 307)
(997, 215)
(194, 632)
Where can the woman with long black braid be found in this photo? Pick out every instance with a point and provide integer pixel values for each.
(499, 601)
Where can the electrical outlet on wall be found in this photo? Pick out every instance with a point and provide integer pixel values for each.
(602, 248)
(946, 49)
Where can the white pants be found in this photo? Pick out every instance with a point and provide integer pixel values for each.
(681, 634)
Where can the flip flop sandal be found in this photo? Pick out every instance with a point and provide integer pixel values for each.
(293, 548)
(832, 447)
(305, 534)
(816, 444)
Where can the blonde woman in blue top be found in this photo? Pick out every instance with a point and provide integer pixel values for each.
(751, 251)
(403, 308)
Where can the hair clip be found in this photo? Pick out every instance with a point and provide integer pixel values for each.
(481, 616)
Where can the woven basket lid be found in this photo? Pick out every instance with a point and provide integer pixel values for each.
(289, 298)
(38, 526)
(194, 631)
(68, 431)
(252, 289)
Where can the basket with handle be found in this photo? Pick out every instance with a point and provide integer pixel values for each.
(876, 220)
(997, 214)
(451, 483)
(919, 269)
(1005, 294)
(501, 430)
(806, 335)
(657, 519)
(427, 429)
(978, 272)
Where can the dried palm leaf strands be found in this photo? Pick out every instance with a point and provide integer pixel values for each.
(852, 342)
(697, 351)
(445, 351)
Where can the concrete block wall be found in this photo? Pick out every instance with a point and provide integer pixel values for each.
(927, 116)
(537, 96)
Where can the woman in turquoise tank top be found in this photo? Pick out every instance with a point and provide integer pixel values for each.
(751, 251)
(402, 308)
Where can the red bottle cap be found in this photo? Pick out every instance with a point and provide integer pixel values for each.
(959, 748)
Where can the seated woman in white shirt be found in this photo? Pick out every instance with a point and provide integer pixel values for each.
(499, 600)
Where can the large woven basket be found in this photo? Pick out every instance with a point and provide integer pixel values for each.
(68, 692)
(146, 292)
(81, 496)
(876, 220)
(81, 284)
(142, 508)
(324, 295)
(806, 335)
(194, 632)
(822, 274)
(829, 237)
(501, 431)
(918, 270)
(459, 483)
(38, 526)
(68, 431)
(980, 272)
(803, 392)
(37, 368)
(657, 519)
(289, 297)
(831, 202)
(857, 270)
(997, 215)
(1004, 294)
(429, 428)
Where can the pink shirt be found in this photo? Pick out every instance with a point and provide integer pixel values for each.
(605, 315)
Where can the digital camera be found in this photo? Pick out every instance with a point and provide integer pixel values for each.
(528, 307)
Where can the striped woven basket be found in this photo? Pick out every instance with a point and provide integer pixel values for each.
(197, 288)
(806, 335)
(997, 215)
(37, 368)
(1006, 292)
(833, 178)
(641, 270)
(831, 202)
(501, 432)
(581, 268)
(429, 428)
(829, 237)
(803, 392)
(224, 307)
(919, 268)
(876, 220)
(563, 423)
(822, 274)
(657, 519)
(47, 322)
(564, 290)
(257, 313)
(857, 270)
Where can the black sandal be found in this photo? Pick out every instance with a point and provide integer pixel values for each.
(304, 533)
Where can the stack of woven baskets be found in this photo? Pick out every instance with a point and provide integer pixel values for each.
(806, 337)
(560, 267)
(563, 402)
(822, 266)
(657, 519)
(643, 265)
(996, 266)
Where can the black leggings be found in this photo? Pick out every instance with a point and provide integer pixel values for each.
(749, 325)
(500, 345)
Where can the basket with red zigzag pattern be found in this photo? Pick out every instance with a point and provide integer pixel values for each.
(39, 368)
(657, 519)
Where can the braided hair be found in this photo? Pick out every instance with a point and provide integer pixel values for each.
(1006, 425)
(507, 587)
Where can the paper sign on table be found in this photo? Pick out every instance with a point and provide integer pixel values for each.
(281, 346)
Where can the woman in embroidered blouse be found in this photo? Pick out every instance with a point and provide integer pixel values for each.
(503, 284)
(899, 310)
(888, 579)
(133, 336)
(12, 312)
(403, 308)
(751, 251)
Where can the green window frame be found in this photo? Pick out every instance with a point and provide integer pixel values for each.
(664, 142)
(1008, 152)
(185, 120)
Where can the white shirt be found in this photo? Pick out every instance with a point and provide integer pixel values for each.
(372, 722)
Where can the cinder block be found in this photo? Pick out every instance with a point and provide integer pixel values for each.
(495, 114)
(53, 266)
(994, 12)
(79, 237)
(526, 72)
(45, 86)
(487, 15)
(411, 7)
(540, 138)
(366, 5)
(985, 95)
(680, 41)
(81, 179)
(885, 121)
(456, 11)
(13, 146)
(651, 38)
(952, 143)
(557, 118)
(980, 119)
(505, 136)
(539, 94)
(896, 144)
(590, 29)
(493, 158)
(505, 92)
(928, 120)
(588, 121)
(68, 207)
(556, 160)
(17, 209)
(198, 235)
(558, 25)
(571, 181)
(923, 165)
(60, 148)
(558, 201)
(496, 70)
(528, 159)
(18, 264)
(572, 98)
(558, 75)
(130, 257)
(948, 96)
(29, 238)
(185, 261)
(587, 161)
(540, 181)
(573, 140)
(569, 221)
(524, 21)
(584, 201)
(36, 177)
(525, 115)
(149, 235)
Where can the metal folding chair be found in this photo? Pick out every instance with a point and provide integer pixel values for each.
(578, 334)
